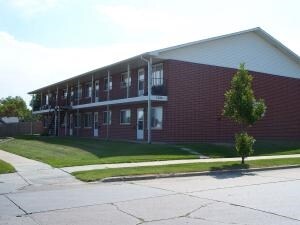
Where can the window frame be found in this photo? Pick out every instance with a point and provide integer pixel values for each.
(125, 110)
(110, 117)
(125, 80)
(155, 77)
(105, 88)
(162, 117)
(88, 90)
(90, 119)
(75, 118)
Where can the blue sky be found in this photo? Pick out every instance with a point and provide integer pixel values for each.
(44, 41)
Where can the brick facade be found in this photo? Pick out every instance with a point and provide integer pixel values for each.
(193, 112)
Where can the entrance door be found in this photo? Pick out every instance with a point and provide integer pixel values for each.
(71, 125)
(96, 124)
(140, 124)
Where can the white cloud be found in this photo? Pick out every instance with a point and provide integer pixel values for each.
(26, 66)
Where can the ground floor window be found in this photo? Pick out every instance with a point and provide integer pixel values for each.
(125, 116)
(77, 120)
(107, 117)
(87, 120)
(156, 117)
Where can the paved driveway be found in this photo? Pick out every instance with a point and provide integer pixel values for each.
(256, 198)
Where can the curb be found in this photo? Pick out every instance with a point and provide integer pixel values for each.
(191, 174)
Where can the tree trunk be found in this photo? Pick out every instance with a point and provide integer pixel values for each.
(243, 159)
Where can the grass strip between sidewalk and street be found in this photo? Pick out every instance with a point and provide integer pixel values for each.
(94, 175)
(6, 167)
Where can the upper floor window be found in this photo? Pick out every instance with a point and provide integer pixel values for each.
(88, 90)
(125, 116)
(125, 80)
(106, 85)
(64, 94)
(141, 82)
(157, 75)
(79, 91)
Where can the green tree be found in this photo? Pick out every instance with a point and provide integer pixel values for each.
(14, 106)
(241, 106)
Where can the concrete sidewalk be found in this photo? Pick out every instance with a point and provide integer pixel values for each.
(36, 173)
(169, 162)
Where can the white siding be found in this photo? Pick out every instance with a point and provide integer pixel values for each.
(258, 54)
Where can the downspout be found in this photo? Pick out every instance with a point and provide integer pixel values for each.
(149, 62)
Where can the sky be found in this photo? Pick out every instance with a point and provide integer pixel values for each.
(46, 41)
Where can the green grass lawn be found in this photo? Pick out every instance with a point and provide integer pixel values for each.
(6, 167)
(95, 175)
(260, 148)
(72, 151)
(61, 152)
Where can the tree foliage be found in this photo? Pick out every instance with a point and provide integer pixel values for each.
(240, 103)
(241, 106)
(14, 107)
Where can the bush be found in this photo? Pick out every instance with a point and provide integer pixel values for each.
(244, 145)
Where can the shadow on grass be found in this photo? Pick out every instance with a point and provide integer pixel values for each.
(103, 148)
(221, 172)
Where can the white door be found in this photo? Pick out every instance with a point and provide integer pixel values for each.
(71, 125)
(140, 124)
(97, 91)
(96, 124)
(141, 82)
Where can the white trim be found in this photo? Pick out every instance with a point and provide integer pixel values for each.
(42, 111)
(122, 101)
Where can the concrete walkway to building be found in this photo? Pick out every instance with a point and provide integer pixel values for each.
(32, 173)
(168, 162)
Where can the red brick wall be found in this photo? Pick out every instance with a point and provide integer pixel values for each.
(196, 98)
(195, 102)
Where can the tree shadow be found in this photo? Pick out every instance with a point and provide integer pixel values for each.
(230, 171)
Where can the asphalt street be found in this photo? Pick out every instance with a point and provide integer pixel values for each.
(254, 198)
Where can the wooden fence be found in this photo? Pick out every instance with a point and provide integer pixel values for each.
(9, 130)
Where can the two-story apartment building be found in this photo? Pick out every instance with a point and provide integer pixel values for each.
(183, 97)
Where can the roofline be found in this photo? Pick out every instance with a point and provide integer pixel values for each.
(259, 31)
(256, 30)
(89, 72)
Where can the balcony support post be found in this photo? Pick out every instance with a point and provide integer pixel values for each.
(127, 83)
(107, 106)
(92, 88)
(149, 100)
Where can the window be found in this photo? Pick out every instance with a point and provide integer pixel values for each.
(141, 82)
(106, 83)
(77, 120)
(107, 117)
(47, 99)
(97, 90)
(79, 91)
(87, 120)
(156, 118)
(125, 116)
(88, 90)
(125, 80)
(64, 94)
(157, 75)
